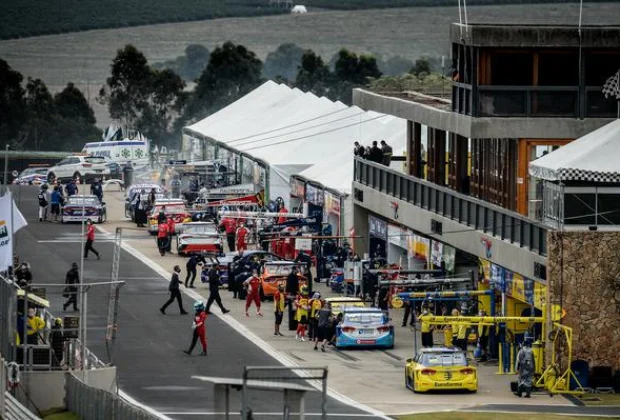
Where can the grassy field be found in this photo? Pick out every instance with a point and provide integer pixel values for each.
(462, 415)
(84, 58)
(25, 18)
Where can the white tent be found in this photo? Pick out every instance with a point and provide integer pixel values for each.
(292, 131)
(593, 157)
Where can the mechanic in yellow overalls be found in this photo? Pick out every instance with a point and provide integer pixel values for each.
(455, 329)
(427, 332)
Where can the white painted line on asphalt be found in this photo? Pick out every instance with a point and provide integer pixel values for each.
(242, 329)
(146, 408)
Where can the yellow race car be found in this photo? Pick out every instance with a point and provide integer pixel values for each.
(440, 368)
(341, 302)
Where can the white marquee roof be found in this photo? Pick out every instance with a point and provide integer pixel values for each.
(294, 131)
(593, 157)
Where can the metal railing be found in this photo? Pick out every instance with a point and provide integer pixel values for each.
(477, 214)
(96, 404)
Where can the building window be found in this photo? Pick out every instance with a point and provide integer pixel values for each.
(579, 209)
(558, 69)
(511, 69)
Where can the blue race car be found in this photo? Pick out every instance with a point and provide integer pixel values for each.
(79, 208)
(364, 328)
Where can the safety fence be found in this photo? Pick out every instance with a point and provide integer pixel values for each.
(97, 404)
(10, 407)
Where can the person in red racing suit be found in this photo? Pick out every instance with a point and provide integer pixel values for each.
(162, 238)
(200, 330)
(253, 286)
(230, 226)
(242, 233)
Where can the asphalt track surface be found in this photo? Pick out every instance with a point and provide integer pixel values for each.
(151, 366)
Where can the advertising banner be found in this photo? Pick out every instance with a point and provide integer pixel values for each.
(398, 236)
(437, 253)
(332, 203)
(298, 188)
(314, 195)
(377, 228)
(449, 257)
(421, 248)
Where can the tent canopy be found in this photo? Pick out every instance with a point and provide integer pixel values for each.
(293, 131)
(593, 157)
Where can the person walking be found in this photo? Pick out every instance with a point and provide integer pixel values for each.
(323, 334)
(252, 284)
(43, 202)
(140, 211)
(175, 292)
(278, 306)
(162, 238)
(72, 279)
(200, 330)
(525, 367)
(192, 263)
(214, 289)
(90, 239)
(386, 153)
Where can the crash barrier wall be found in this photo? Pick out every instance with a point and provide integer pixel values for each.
(8, 318)
(96, 404)
(10, 407)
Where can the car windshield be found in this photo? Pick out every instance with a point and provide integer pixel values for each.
(29, 171)
(206, 229)
(443, 359)
(83, 201)
(94, 159)
(278, 269)
(364, 318)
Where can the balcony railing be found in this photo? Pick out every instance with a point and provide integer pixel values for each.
(531, 101)
(479, 215)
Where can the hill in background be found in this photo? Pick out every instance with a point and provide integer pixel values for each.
(25, 18)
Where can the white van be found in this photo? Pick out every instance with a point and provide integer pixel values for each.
(120, 152)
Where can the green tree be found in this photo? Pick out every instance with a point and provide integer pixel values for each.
(421, 68)
(41, 112)
(232, 72)
(357, 70)
(313, 75)
(127, 88)
(283, 62)
(161, 105)
(12, 102)
(71, 104)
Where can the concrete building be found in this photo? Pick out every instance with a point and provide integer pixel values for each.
(518, 93)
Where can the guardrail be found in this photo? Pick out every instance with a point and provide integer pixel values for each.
(477, 214)
(96, 404)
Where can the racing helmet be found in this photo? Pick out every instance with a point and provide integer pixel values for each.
(58, 321)
(199, 306)
(304, 290)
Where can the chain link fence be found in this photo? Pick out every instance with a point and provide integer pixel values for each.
(96, 404)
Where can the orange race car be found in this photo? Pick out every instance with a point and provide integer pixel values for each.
(275, 274)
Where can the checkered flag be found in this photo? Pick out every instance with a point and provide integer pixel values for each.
(612, 86)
